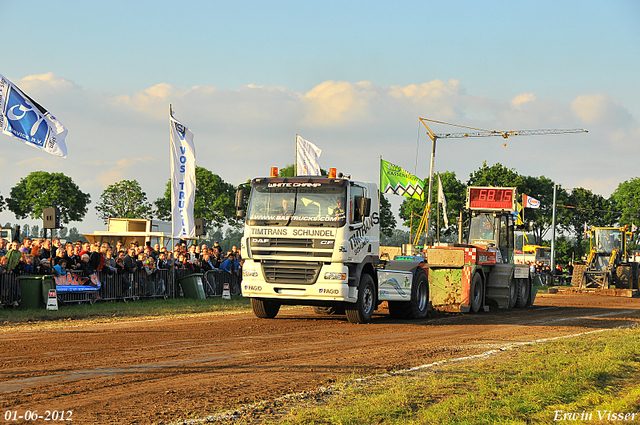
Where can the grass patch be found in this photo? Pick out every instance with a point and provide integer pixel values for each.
(131, 309)
(590, 373)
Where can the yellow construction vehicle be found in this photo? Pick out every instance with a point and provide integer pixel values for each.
(607, 265)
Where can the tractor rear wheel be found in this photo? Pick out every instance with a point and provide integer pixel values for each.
(524, 292)
(577, 278)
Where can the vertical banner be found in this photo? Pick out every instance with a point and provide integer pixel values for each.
(307, 155)
(183, 180)
(21, 117)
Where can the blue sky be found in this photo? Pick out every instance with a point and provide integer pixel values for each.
(352, 77)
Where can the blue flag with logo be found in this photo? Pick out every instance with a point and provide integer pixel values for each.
(21, 117)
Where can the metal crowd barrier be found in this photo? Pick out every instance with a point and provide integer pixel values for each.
(215, 279)
(9, 289)
(163, 283)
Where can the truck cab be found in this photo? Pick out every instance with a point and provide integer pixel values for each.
(309, 240)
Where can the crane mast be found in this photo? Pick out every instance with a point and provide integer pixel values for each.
(425, 223)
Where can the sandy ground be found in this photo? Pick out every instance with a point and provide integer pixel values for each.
(171, 369)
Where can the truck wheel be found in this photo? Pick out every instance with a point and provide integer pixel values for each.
(476, 293)
(420, 296)
(418, 307)
(524, 291)
(362, 310)
(513, 292)
(265, 309)
(328, 310)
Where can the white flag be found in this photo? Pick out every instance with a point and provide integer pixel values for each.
(530, 202)
(443, 201)
(633, 227)
(21, 117)
(183, 180)
(307, 155)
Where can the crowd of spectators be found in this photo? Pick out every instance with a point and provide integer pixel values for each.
(43, 256)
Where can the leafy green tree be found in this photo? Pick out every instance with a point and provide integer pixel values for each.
(62, 233)
(541, 188)
(496, 175)
(124, 199)
(40, 190)
(626, 200)
(214, 200)
(75, 235)
(397, 238)
(387, 219)
(3, 204)
(455, 195)
(584, 206)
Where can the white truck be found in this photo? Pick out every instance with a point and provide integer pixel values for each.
(315, 241)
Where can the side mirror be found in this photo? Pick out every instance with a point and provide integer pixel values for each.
(239, 198)
(239, 214)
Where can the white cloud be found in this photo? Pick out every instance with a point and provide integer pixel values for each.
(601, 109)
(240, 133)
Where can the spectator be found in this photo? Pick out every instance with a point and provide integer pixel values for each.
(29, 264)
(45, 249)
(3, 247)
(26, 245)
(207, 264)
(85, 265)
(228, 265)
(35, 248)
(60, 269)
(163, 263)
(14, 257)
(56, 243)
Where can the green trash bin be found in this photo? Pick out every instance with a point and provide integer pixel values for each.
(192, 286)
(34, 290)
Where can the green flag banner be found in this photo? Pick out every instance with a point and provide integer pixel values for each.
(396, 180)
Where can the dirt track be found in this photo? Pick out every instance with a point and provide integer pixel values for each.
(166, 370)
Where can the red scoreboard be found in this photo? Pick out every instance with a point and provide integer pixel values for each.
(491, 198)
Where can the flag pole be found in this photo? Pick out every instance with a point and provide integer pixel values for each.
(173, 260)
(380, 183)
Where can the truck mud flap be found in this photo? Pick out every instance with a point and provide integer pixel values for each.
(498, 284)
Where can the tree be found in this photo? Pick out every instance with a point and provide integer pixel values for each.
(496, 175)
(455, 195)
(214, 200)
(387, 219)
(3, 204)
(124, 199)
(40, 190)
(587, 208)
(626, 200)
(541, 188)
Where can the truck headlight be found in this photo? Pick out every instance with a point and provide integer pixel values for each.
(249, 273)
(335, 276)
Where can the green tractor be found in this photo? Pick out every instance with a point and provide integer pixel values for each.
(607, 265)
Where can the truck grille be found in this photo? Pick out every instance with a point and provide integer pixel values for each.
(264, 252)
(285, 243)
(300, 272)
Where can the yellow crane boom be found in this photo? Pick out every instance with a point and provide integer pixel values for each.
(478, 132)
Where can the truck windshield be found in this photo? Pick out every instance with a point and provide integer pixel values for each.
(484, 230)
(607, 240)
(322, 205)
